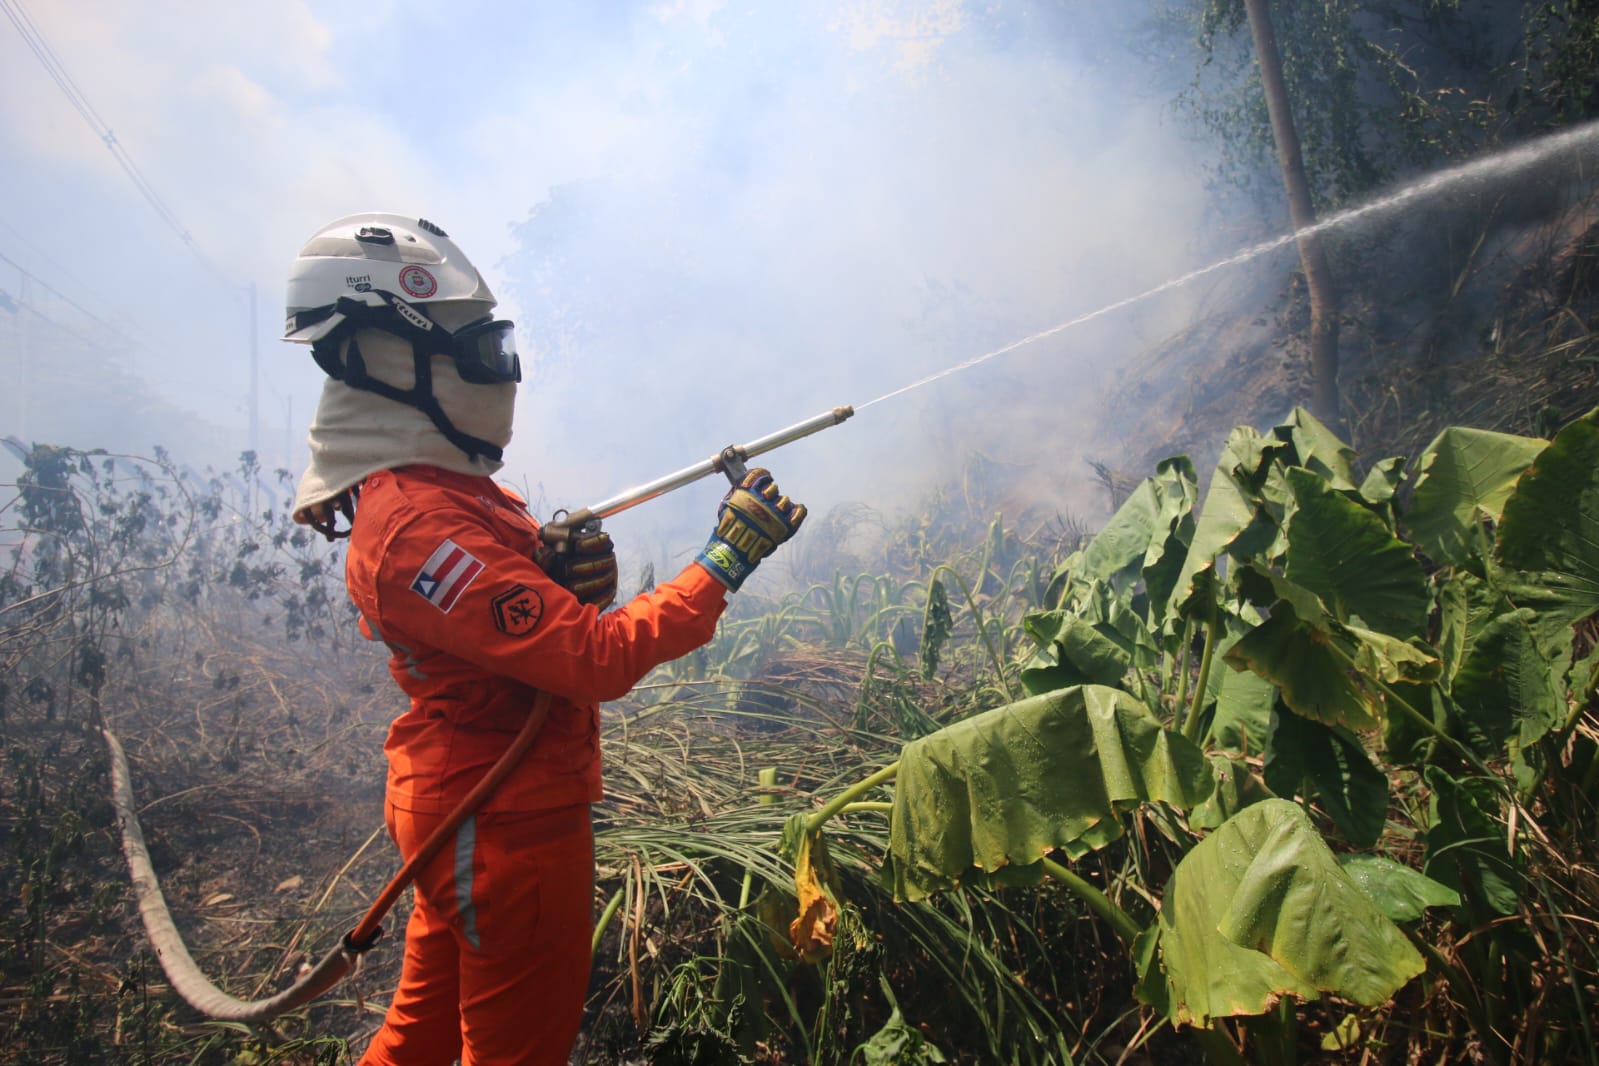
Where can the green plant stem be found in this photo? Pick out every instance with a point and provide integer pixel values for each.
(881, 807)
(1191, 722)
(1182, 664)
(1097, 901)
(605, 921)
(1218, 1049)
(766, 779)
(1426, 723)
(849, 796)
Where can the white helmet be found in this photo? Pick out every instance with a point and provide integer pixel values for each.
(412, 259)
(406, 278)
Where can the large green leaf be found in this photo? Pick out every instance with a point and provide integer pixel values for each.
(1152, 524)
(1468, 845)
(1347, 556)
(1509, 687)
(1401, 893)
(1331, 758)
(1319, 449)
(1382, 481)
(1007, 787)
(1325, 670)
(1093, 640)
(1164, 562)
(1242, 719)
(1312, 675)
(1260, 909)
(1327, 673)
(1236, 517)
(1549, 534)
(1463, 477)
(1071, 651)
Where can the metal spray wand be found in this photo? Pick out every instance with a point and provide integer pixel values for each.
(729, 461)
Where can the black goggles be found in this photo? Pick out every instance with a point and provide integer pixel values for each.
(484, 352)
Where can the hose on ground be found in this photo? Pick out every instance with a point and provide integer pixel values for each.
(182, 971)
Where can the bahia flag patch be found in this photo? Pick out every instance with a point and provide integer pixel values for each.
(446, 574)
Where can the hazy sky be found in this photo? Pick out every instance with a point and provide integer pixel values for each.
(710, 219)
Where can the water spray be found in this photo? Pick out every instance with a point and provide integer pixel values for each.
(730, 460)
(1500, 165)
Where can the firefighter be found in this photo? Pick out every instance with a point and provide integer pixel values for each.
(447, 568)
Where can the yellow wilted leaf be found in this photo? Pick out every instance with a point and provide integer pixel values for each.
(812, 932)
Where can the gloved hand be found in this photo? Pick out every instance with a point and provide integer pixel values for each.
(322, 516)
(587, 569)
(754, 519)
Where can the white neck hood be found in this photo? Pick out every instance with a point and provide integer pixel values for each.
(357, 433)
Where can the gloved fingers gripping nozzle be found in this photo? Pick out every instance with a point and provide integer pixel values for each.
(323, 516)
(754, 518)
(584, 564)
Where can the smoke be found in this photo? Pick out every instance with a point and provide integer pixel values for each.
(818, 204)
(709, 219)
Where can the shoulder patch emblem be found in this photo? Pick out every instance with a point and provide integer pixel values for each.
(446, 574)
(517, 610)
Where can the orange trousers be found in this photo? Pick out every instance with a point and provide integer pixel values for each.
(497, 949)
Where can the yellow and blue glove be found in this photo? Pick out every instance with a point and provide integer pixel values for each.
(753, 520)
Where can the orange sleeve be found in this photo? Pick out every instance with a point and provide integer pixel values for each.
(446, 581)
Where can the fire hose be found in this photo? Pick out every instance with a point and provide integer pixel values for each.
(187, 979)
(182, 971)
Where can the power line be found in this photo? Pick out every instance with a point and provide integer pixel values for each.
(40, 47)
(70, 302)
(24, 305)
(56, 266)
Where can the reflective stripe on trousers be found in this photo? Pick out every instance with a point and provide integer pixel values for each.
(497, 946)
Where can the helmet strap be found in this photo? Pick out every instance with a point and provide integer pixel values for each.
(420, 396)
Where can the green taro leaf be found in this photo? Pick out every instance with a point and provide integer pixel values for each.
(1072, 652)
(1334, 761)
(1463, 477)
(1382, 481)
(1349, 558)
(1401, 893)
(1325, 670)
(1141, 532)
(1510, 688)
(1319, 449)
(1549, 533)
(1236, 517)
(1007, 787)
(1468, 846)
(1237, 787)
(1260, 909)
(1242, 718)
(1312, 674)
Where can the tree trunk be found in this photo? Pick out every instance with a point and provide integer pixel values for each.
(1318, 277)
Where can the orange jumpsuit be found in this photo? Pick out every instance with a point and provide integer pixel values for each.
(440, 565)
